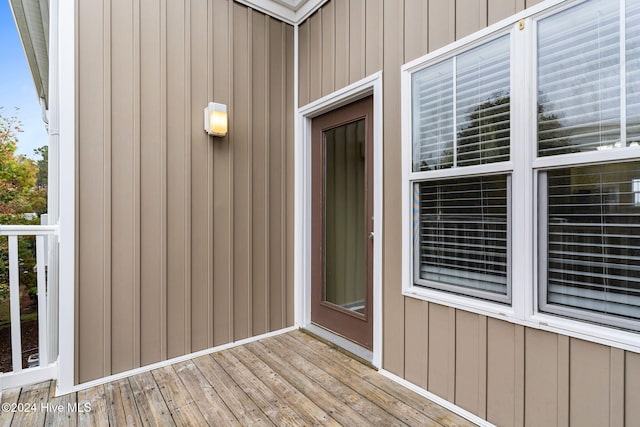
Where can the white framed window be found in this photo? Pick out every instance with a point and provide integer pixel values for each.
(521, 164)
(461, 123)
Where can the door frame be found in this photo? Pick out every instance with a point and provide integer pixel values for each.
(371, 85)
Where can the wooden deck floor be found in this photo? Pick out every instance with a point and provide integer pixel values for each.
(290, 379)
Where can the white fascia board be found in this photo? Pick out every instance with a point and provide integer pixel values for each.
(290, 11)
(272, 8)
(307, 8)
(28, 17)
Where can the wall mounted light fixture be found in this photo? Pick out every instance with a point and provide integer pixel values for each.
(215, 119)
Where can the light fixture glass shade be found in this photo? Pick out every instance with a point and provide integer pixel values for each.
(215, 119)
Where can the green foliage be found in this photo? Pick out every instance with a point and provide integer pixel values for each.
(26, 256)
(43, 166)
(18, 174)
(23, 189)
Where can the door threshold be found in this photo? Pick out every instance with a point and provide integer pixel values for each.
(354, 350)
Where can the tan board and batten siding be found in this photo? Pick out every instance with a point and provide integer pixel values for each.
(184, 242)
(508, 374)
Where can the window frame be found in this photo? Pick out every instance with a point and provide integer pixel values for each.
(471, 292)
(524, 166)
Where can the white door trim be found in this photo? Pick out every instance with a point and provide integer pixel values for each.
(371, 85)
(65, 22)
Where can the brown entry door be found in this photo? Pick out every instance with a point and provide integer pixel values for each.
(342, 222)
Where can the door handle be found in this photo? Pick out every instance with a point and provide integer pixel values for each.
(371, 235)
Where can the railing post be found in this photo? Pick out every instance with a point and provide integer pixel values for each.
(43, 338)
(14, 294)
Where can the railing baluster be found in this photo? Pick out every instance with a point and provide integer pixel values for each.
(43, 341)
(47, 289)
(14, 293)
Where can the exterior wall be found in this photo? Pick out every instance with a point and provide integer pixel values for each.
(184, 242)
(506, 373)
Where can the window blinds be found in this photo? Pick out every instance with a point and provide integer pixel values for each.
(461, 113)
(579, 79)
(633, 72)
(433, 117)
(463, 233)
(590, 237)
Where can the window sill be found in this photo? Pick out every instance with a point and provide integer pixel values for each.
(462, 302)
(605, 335)
(609, 336)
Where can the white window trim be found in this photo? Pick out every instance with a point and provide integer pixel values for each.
(370, 85)
(524, 164)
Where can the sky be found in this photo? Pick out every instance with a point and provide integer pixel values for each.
(17, 88)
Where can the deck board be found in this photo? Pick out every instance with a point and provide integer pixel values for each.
(336, 408)
(289, 379)
(59, 415)
(326, 378)
(205, 395)
(121, 406)
(10, 396)
(426, 406)
(385, 402)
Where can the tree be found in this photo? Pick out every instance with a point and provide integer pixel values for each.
(43, 166)
(22, 190)
(17, 173)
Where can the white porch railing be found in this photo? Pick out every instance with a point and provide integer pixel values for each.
(47, 309)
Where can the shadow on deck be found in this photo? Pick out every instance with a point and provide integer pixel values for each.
(290, 379)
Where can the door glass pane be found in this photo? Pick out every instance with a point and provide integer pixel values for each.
(345, 216)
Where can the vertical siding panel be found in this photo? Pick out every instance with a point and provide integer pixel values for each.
(108, 195)
(393, 299)
(519, 381)
(187, 134)
(240, 139)
(316, 56)
(176, 179)
(616, 395)
(210, 182)
(328, 48)
(442, 23)
(199, 179)
(482, 366)
(440, 358)
(500, 9)
(416, 29)
(357, 40)
(589, 383)
(164, 191)
(277, 285)
(416, 353)
(342, 43)
(152, 184)
(303, 63)
(532, 2)
(222, 209)
(564, 352)
(93, 286)
(471, 16)
(288, 218)
(122, 182)
(501, 371)
(374, 42)
(541, 379)
(260, 173)
(467, 373)
(136, 184)
(632, 387)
